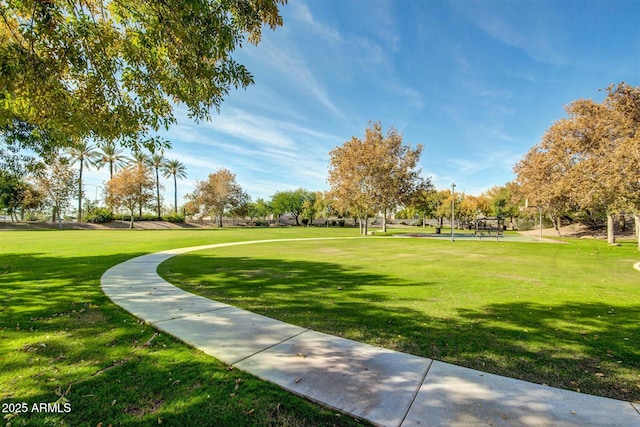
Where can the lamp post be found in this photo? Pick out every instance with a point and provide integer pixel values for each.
(96, 186)
(540, 215)
(453, 204)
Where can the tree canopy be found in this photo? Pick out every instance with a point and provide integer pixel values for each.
(114, 70)
(589, 160)
(374, 174)
(130, 188)
(294, 202)
(218, 193)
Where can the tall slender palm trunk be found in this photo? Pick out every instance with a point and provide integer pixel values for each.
(80, 194)
(158, 193)
(175, 193)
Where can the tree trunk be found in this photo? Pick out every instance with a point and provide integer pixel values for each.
(158, 193)
(131, 220)
(636, 218)
(366, 225)
(384, 220)
(80, 193)
(611, 239)
(175, 193)
(555, 222)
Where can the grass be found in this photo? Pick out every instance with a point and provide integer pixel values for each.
(566, 315)
(62, 340)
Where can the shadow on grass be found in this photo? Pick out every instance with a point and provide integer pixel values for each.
(61, 335)
(36, 286)
(590, 347)
(165, 385)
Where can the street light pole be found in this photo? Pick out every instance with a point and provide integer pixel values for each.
(540, 214)
(453, 198)
(526, 205)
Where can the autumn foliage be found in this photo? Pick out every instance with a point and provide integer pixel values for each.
(130, 188)
(374, 174)
(588, 161)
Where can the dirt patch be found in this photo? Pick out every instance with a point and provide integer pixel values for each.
(580, 231)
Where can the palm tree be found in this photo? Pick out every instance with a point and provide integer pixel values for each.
(113, 156)
(177, 170)
(86, 156)
(156, 161)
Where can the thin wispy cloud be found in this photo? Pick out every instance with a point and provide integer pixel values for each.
(534, 36)
(477, 83)
(301, 13)
(288, 62)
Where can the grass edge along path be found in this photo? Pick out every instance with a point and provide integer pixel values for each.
(578, 333)
(63, 341)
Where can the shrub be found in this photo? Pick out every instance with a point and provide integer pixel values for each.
(341, 222)
(99, 216)
(334, 222)
(305, 221)
(127, 217)
(175, 218)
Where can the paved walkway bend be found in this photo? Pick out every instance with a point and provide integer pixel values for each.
(385, 387)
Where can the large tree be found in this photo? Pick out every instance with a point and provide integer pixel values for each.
(16, 194)
(374, 174)
(292, 202)
(57, 184)
(114, 69)
(503, 201)
(589, 160)
(218, 193)
(260, 209)
(130, 188)
(426, 202)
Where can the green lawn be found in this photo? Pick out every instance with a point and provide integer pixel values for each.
(566, 315)
(62, 338)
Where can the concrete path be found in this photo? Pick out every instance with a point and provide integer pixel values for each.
(387, 388)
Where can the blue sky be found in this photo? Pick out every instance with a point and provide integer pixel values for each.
(476, 82)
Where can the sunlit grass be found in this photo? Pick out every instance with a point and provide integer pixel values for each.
(566, 315)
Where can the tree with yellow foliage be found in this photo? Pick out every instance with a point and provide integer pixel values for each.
(374, 174)
(589, 160)
(130, 188)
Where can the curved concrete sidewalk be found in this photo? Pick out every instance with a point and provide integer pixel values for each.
(385, 387)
